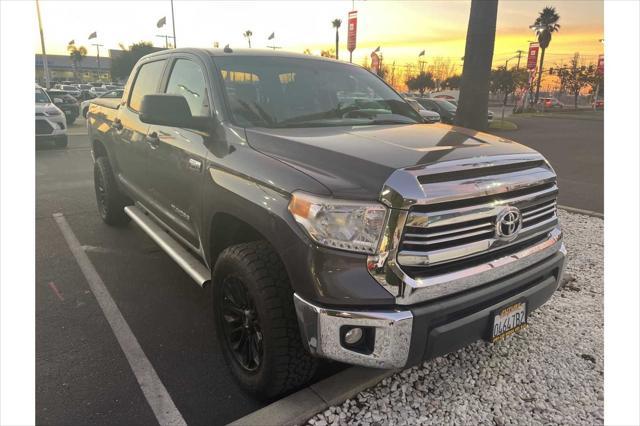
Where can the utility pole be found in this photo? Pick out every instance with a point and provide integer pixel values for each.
(45, 64)
(173, 23)
(519, 52)
(98, 45)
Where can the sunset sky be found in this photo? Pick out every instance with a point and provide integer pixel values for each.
(401, 28)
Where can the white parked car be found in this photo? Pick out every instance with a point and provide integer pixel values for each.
(97, 91)
(429, 116)
(111, 94)
(51, 124)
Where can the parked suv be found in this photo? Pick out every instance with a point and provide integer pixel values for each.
(331, 221)
(51, 124)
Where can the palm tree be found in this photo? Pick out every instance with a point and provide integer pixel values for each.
(336, 24)
(546, 23)
(77, 54)
(248, 34)
(476, 72)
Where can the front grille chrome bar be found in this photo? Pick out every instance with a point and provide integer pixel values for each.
(442, 235)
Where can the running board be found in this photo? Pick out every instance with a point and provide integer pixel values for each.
(187, 261)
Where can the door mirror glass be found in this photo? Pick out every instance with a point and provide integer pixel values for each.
(169, 110)
(57, 101)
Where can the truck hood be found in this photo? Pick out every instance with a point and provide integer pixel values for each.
(355, 161)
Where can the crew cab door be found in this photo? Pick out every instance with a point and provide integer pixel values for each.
(177, 156)
(130, 134)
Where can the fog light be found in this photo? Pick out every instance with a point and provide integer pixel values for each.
(353, 336)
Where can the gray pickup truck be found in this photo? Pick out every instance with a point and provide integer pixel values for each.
(331, 220)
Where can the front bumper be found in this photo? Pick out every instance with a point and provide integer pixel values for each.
(409, 335)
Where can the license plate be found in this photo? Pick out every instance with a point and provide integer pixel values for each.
(509, 320)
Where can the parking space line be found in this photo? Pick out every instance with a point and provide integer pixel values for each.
(154, 391)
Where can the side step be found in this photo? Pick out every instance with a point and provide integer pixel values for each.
(177, 252)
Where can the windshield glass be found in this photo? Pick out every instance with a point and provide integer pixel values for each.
(446, 105)
(41, 97)
(69, 88)
(99, 89)
(278, 92)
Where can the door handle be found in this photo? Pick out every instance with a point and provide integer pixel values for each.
(117, 124)
(195, 165)
(153, 140)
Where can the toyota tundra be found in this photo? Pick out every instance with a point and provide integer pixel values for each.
(331, 220)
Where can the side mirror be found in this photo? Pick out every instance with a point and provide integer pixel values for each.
(58, 101)
(170, 110)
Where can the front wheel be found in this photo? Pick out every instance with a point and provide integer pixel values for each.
(256, 321)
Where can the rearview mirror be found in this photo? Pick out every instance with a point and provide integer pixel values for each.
(170, 110)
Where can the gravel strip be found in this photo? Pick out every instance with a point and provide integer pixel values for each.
(550, 373)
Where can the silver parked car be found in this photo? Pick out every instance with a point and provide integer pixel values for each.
(429, 116)
(51, 123)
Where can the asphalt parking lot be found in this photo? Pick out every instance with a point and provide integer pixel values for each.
(83, 376)
(575, 149)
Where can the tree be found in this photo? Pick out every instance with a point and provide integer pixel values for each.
(329, 53)
(421, 82)
(452, 83)
(576, 77)
(506, 81)
(546, 23)
(77, 54)
(336, 24)
(123, 62)
(478, 55)
(248, 34)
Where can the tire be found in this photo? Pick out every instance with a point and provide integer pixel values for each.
(85, 111)
(71, 120)
(283, 364)
(110, 200)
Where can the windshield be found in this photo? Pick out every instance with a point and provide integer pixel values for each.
(278, 92)
(99, 89)
(42, 97)
(415, 104)
(69, 88)
(446, 105)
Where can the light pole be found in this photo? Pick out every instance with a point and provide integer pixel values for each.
(173, 23)
(45, 64)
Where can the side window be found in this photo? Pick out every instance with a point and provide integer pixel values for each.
(187, 80)
(146, 83)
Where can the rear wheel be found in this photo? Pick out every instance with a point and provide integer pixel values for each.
(256, 322)
(111, 201)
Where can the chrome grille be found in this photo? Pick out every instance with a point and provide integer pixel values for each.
(449, 232)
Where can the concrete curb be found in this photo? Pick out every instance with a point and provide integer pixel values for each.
(581, 211)
(304, 404)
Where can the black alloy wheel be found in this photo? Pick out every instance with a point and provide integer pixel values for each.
(241, 324)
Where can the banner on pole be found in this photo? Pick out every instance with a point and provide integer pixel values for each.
(352, 30)
(532, 58)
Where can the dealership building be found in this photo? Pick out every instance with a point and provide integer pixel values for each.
(61, 68)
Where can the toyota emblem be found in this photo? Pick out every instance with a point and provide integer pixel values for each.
(508, 224)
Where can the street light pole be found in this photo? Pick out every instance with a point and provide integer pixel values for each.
(173, 23)
(45, 64)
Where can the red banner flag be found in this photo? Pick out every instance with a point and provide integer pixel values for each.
(353, 27)
(532, 58)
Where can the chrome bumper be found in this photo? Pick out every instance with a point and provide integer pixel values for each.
(320, 328)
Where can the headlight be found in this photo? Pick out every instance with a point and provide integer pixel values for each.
(347, 225)
(53, 111)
